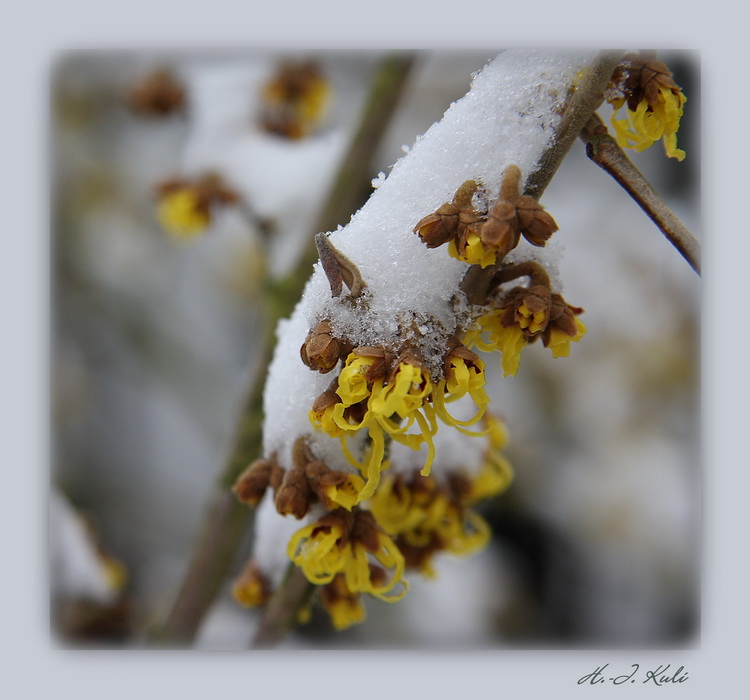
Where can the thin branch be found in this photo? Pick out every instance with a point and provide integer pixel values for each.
(584, 100)
(226, 521)
(604, 151)
(283, 610)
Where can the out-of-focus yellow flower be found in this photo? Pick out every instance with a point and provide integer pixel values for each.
(295, 100)
(181, 214)
(344, 607)
(251, 588)
(185, 206)
(426, 519)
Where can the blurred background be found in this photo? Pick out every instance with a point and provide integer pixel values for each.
(157, 335)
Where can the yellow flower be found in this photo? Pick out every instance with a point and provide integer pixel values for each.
(650, 123)
(475, 252)
(353, 385)
(511, 327)
(654, 104)
(352, 545)
(251, 588)
(391, 408)
(559, 341)
(489, 335)
(344, 607)
(180, 213)
(426, 519)
(464, 375)
(493, 479)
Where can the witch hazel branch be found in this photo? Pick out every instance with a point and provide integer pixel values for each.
(379, 438)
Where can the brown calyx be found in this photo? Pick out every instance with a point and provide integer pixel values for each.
(535, 298)
(562, 318)
(450, 220)
(366, 531)
(641, 77)
(457, 350)
(306, 482)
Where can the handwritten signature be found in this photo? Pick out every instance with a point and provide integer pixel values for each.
(661, 675)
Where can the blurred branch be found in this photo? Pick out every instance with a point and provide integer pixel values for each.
(226, 520)
(282, 612)
(604, 151)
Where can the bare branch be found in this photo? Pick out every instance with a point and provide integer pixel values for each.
(604, 151)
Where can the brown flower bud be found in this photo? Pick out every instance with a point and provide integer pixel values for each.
(253, 482)
(534, 223)
(562, 318)
(294, 496)
(321, 351)
(439, 227)
(500, 231)
(451, 219)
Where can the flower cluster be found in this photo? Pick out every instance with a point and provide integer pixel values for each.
(351, 547)
(505, 320)
(521, 315)
(654, 104)
(393, 395)
(484, 235)
(378, 443)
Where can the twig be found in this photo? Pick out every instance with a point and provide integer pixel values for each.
(226, 520)
(283, 609)
(604, 151)
(582, 103)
